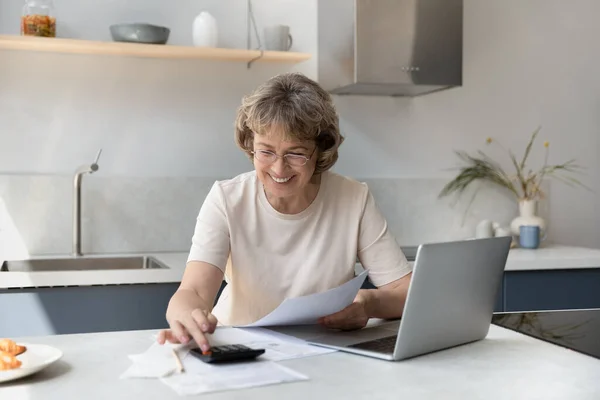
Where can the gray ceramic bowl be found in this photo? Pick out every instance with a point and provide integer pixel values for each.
(140, 33)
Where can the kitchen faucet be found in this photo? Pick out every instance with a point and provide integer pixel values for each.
(84, 169)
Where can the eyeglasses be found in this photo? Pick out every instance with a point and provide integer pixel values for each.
(268, 157)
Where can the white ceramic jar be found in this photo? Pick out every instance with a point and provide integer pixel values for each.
(205, 31)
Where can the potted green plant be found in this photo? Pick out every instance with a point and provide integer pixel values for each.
(525, 183)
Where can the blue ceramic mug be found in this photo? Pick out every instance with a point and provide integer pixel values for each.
(530, 236)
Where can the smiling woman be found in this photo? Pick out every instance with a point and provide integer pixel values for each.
(290, 227)
(293, 116)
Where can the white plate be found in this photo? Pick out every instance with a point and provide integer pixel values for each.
(36, 358)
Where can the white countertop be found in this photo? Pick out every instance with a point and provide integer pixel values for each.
(546, 258)
(505, 365)
(552, 257)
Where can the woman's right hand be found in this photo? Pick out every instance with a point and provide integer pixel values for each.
(189, 324)
(189, 310)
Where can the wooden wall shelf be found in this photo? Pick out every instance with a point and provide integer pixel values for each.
(77, 46)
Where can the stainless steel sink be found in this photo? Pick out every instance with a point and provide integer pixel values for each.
(83, 264)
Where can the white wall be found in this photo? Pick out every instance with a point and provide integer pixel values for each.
(152, 117)
(526, 63)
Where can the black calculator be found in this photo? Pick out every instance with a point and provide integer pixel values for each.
(227, 353)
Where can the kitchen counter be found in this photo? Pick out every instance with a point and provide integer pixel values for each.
(174, 261)
(552, 257)
(547, 258)
(506, 365)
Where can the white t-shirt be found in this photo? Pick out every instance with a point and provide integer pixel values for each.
(268, 256)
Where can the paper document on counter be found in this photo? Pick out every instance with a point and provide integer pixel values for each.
(307, 310)
(158, 361)
(202, 378)
(277, 346)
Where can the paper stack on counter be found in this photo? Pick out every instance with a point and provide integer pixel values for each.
(198, 377)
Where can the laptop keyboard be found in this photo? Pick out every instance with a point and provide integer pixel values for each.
(383, 345)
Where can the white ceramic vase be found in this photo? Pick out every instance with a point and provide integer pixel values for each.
(205, 32)
(527, 216)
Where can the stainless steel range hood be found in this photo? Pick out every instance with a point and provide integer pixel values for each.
(389, 47)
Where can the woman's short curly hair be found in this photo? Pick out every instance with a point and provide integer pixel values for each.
(300, 109)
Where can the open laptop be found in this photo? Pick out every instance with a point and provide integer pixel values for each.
(450, 302)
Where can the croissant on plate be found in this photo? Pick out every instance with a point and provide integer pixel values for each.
(10, 347)
(8, 361)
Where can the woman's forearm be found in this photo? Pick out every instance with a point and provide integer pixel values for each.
(387, 302)
(198, 289)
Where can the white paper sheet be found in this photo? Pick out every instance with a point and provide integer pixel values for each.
(156, 362)
(278, 351)
(307, 310)
(277, 346)
(200, 377)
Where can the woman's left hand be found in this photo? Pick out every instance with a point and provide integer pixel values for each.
(352, 317)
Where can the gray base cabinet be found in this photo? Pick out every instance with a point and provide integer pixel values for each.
(499, 306)
(83, 309)
(551, 290)
(546, 290)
